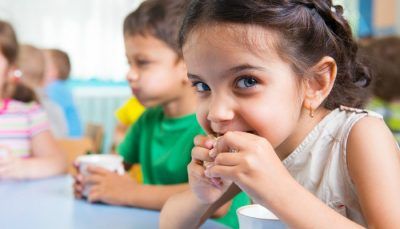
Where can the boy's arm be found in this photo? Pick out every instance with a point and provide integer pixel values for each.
(111, 188)
(153, 196)
(184, 210)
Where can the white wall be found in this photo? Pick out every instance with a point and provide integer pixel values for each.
(89, 30)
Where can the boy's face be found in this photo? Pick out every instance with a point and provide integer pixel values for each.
(242, 83)
(50, 70)
(156, 75)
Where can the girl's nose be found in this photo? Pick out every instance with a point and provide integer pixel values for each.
(220, 110)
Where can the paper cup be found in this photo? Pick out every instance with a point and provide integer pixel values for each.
(256, 216)
(110, 162)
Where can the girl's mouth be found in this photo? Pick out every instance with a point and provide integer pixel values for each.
(220, 134)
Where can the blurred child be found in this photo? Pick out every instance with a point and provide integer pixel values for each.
(278, 89)
(162, 138)
(57, 71)
(31, 63)
(384, 57)
(28, 148)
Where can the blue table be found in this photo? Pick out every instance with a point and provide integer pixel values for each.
(49, 203)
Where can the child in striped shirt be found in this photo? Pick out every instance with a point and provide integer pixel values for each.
(27, 148)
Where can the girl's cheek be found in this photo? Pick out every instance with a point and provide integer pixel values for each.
(202, 120)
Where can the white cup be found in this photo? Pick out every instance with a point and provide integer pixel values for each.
(110, 162)
(255, 216)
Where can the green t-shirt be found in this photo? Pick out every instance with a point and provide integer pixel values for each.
(230, 219)
(161, 145)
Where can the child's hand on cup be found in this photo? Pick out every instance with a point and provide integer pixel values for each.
(250, 162)
(106, 186)
(207, 189)
(78, 186)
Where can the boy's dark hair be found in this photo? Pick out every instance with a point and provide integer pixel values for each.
(308, 30)
(61, 61)
(159, 18)
(383, 55)
(9, 48)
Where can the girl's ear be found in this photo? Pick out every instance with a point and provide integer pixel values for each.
(319, 83)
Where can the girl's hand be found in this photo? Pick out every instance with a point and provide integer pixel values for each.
(207, 189)
(108, 187)
(10, 167)
(251, 162)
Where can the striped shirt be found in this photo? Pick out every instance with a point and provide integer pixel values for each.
(19, 123)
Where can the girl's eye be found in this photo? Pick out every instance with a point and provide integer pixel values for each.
(246, 82)
(200, 86)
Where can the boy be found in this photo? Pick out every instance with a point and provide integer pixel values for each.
(57, 71)
(162, 138)
(31, 63)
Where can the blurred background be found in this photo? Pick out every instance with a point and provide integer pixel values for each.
(90, 31)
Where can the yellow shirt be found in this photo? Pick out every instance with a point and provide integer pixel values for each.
(129, 112)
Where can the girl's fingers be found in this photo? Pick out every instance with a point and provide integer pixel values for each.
(204, 141)
(201, 154)
(224, 172)
(236, 141)
(228, 159)
(196, 170)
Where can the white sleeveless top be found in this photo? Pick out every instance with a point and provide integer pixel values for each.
(319, 162)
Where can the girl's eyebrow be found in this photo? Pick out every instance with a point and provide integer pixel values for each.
(193, 77)
(235, 69)
(244, 67)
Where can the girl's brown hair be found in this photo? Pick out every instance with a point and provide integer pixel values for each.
(308, 30)
(9, 48)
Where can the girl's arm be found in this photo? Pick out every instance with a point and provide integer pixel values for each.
(185, 210)
(150, 196)
(258, 171)
(374, 166)
(47, 159)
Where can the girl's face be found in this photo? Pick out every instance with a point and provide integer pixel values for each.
(156, 74)
(242, 83)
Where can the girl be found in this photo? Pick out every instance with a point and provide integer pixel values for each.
(275, 80)
(28, 149)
